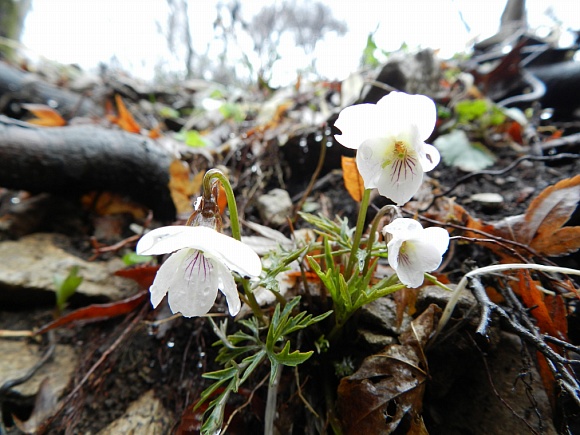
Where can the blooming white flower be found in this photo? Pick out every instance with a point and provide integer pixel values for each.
(389, 137)
(414, 250)
(202, 265)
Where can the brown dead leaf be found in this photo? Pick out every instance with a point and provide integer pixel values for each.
(352, 180)
(182, 186)
(541, 227)
(125, 120)
(46, 116)
(549, 311)
(547, 214)
(389, 385)
(109, 203)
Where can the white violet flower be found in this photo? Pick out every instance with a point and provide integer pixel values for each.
(389, 137)
(202, 265)
(414, 250)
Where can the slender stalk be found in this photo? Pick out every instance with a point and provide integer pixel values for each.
(270, 413)
(360, 224)
(312, 179)
(235, 225)
(383, 211)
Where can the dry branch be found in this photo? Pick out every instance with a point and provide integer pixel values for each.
(78, 159)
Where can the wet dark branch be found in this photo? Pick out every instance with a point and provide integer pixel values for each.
(557, 363)
(84, 158)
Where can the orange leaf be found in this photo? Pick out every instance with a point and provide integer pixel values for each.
(45, 116)
(155, 133)
(108, 203)
(125, 119)
(549, 311)
(352, 180)
(182, 187)
(549, 211)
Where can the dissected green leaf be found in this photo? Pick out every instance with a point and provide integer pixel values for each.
(457, 150)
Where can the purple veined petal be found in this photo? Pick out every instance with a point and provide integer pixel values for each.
(401, 179)
(235, 254)
(429, 157)
(228, 287)
(394, 247)
(194, 287)
(165, 275)
(417, 259)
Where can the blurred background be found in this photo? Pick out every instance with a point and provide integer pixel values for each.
(238, 41)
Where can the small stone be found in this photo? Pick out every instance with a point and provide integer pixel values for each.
(490, 200)
(275, 207)
(28, 267)
(19, 356)
(146, 416)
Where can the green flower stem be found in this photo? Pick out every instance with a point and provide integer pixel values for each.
(360, 224)
(383, 211)
(235, 224)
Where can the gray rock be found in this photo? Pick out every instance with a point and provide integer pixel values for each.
(275, 207)
(145, 416)
(19, 356)
(28, 266)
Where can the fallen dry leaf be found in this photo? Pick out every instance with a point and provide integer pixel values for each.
(182, 186)
(352, 180)
(108, 203)
(125, 120)
(46, 116)
(390, 384)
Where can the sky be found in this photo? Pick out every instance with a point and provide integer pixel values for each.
(86, 32)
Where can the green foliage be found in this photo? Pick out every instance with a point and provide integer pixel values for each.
(192, 138)
(483, 112)
(66, 286)
(132, 258)
(233, 111)
(368, 56)
(249, 345)
(457, 150)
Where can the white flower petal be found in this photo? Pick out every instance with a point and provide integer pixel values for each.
(228, 287)
(429, 157)
(194, 287)
(436, 237)
(357, 124)
(165, 276)
(369, 160)
(402, 226)
(394, 246)
(409, 275)
(235, 254)
(423, 257)
(400, 182)
(405, 110)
